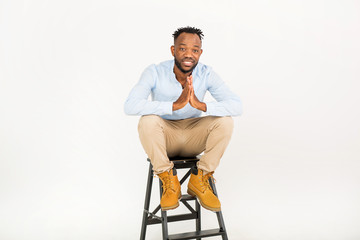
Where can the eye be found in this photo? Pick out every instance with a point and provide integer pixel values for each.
(195, 51)
(182, 49)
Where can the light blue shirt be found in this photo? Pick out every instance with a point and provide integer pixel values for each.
(160, 81)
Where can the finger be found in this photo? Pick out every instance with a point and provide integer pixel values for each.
(189, 78)
(188, 86)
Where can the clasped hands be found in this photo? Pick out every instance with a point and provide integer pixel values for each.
(188, 96)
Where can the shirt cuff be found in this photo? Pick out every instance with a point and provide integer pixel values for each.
(210, 108)
(167, 108)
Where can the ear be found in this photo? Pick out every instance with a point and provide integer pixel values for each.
(172, 49)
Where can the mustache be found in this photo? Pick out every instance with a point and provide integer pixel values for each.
(188, 60)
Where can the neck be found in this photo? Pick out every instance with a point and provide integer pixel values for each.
(180, 76)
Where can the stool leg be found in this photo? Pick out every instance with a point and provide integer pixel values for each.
(163, 217)
(147, 202)
(198, 220)
(219, 214)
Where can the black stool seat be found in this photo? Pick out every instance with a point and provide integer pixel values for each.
(150, 218)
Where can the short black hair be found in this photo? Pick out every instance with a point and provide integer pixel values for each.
(188, 30)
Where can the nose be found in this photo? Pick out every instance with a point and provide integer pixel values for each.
(188, 53)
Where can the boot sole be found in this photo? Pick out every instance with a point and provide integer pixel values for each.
(170, 208)
(192, 193)
(173, 206)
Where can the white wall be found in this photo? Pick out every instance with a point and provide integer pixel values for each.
(72, 167)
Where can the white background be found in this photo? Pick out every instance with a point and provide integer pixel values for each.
(71, 164)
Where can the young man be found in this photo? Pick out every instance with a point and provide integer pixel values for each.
(171, 123)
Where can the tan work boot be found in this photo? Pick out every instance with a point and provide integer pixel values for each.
(199, 186)
(171, 190)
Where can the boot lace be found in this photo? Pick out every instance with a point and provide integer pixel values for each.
(167, 184)
(204, 183)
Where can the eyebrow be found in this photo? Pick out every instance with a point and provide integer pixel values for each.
(186, 45)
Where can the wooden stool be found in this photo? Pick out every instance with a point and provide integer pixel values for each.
(150, 218)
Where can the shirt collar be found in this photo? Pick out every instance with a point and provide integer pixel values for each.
(194, 73)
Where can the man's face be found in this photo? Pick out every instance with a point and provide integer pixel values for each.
(187, 51)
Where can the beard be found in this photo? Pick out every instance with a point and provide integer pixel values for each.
(178, 64)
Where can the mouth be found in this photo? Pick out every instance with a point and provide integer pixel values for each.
(188, 63)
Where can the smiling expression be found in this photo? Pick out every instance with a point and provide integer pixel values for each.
(186, 51)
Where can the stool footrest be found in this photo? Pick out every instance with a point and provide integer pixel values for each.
(192, 235)
(187, 197)
(175, 218)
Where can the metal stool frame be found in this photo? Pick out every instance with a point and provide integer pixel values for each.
(150, 218)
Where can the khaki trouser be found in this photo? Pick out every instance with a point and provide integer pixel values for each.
(188, 137)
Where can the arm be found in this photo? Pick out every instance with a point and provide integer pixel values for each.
(227, 103)
(137, 102)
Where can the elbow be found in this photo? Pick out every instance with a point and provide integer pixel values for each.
(238, 109)
(128, 109)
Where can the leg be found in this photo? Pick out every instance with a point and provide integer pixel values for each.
(211, 134)
(159, 138)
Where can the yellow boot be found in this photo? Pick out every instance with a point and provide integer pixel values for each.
(171, 190)
(199, 186)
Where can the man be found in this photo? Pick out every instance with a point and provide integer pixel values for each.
(171, 124)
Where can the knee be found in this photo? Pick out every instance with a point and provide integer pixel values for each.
(149, 122)
(226, 124)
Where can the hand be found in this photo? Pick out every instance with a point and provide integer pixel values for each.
(188, 96)
(194, 101)
(184, 97)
